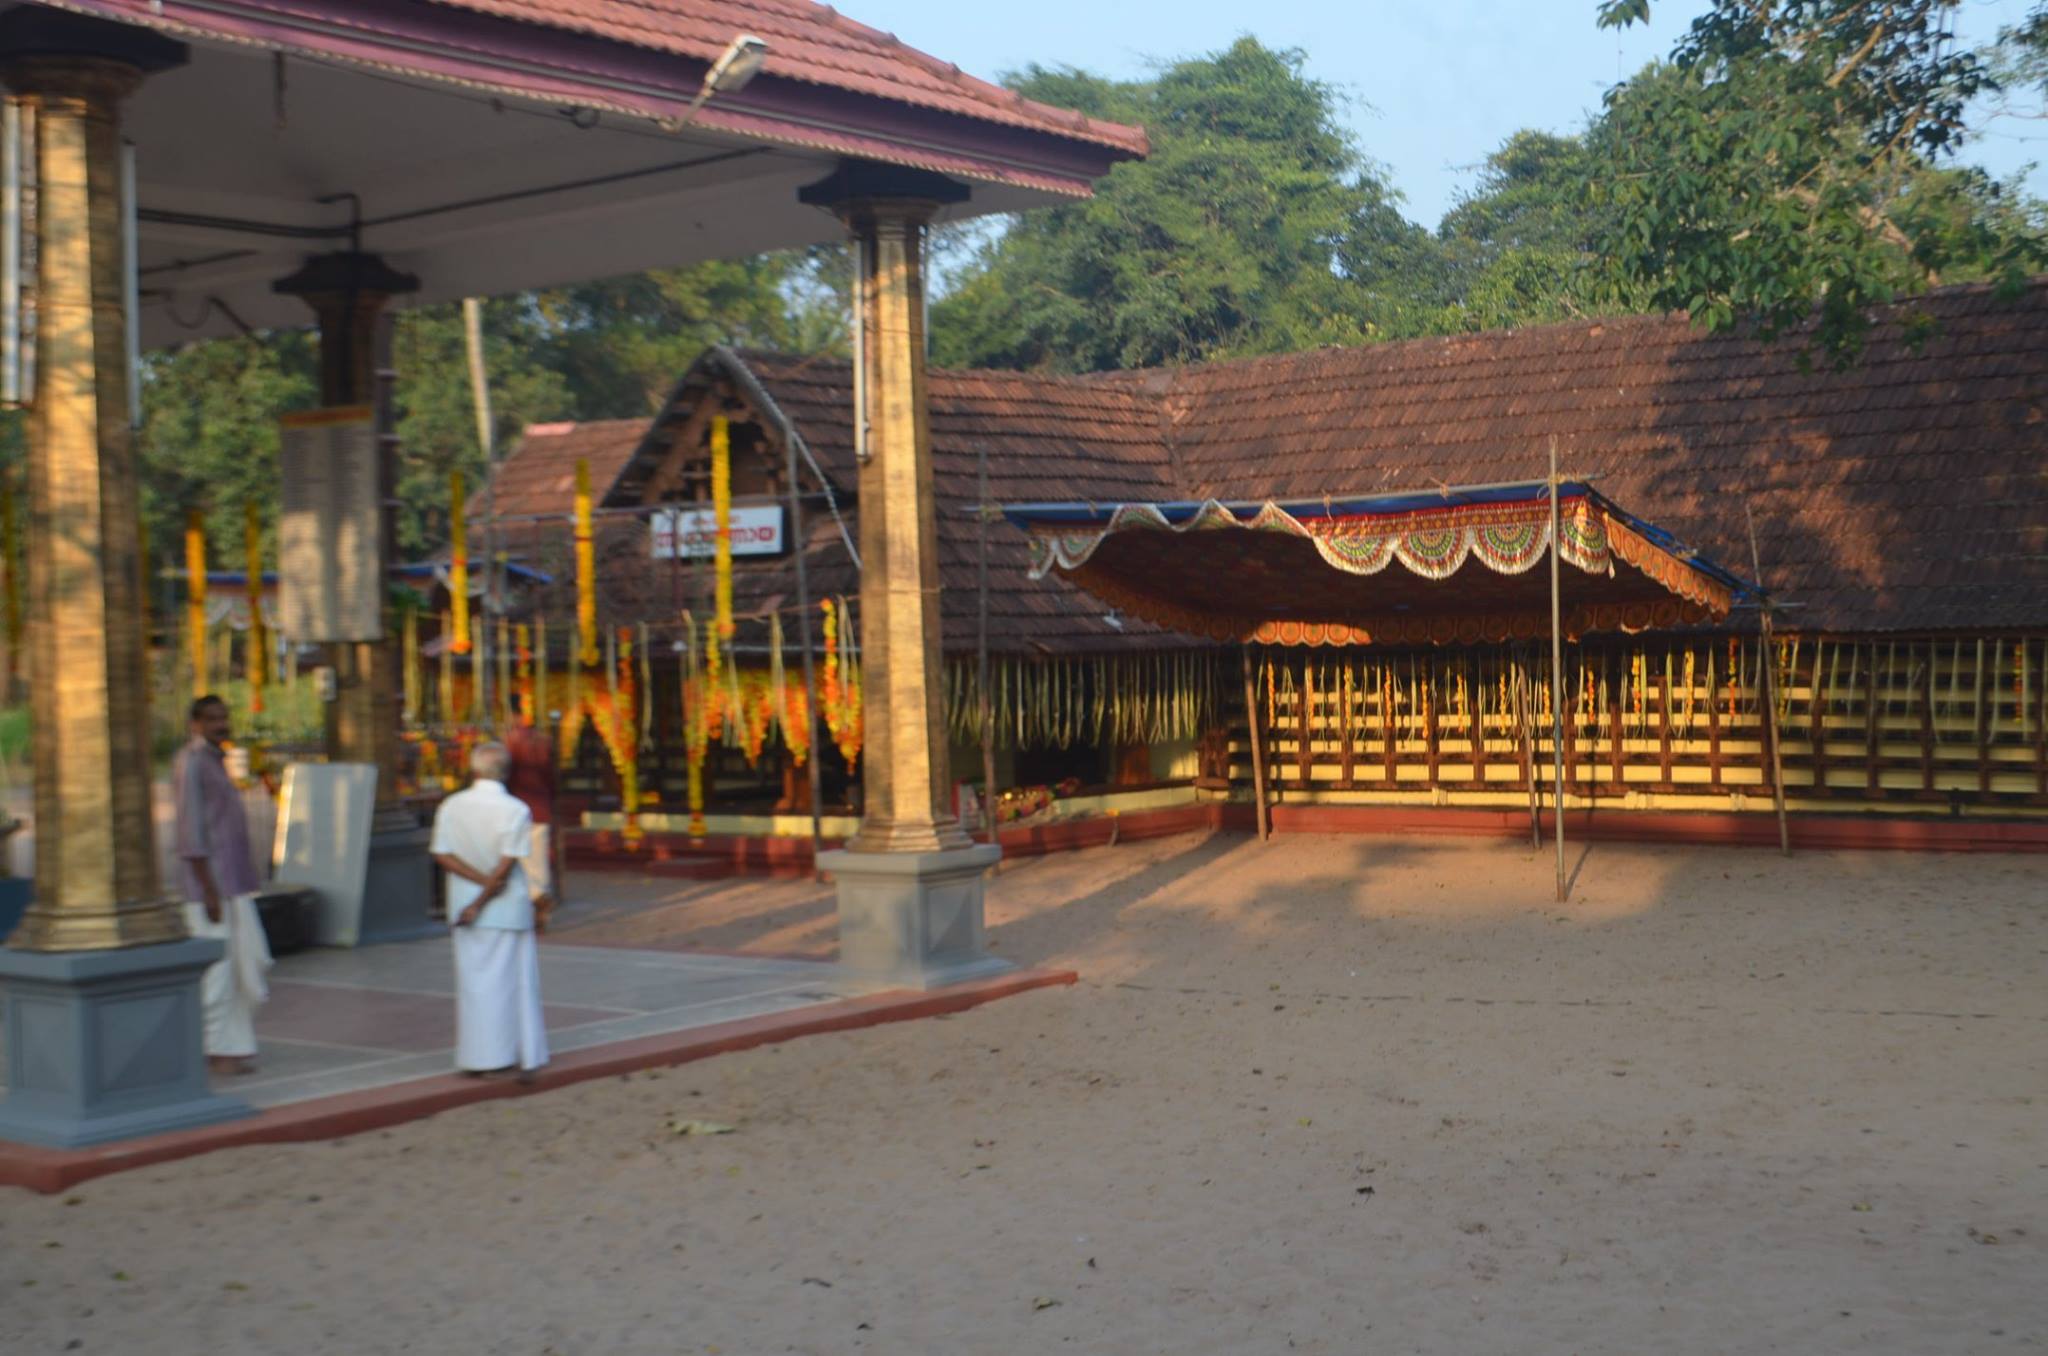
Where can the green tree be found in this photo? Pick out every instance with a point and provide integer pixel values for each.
(621, 343)
(1788, 159)
(1529, 245)
(1227, 239)
(210, 433)
(437, 414)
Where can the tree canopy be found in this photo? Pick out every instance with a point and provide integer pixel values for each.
(1793, 157)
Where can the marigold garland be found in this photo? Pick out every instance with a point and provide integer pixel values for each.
(445, 689)
(721, 509)
(259, 635)
(458, 562)
(523, 638)
(195, 597)
(586, 568)
(410, 658)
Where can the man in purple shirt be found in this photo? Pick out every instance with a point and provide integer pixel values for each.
(217, 874)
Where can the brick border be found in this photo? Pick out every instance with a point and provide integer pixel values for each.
(737, 855)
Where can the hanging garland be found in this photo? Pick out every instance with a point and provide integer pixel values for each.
(195, 597)
(523, 638)
(586, 570)
(696, 725)
(625, 744)
(458, 563)
(538, 711)
(259, 637)
(445, 692)
(646, 721)
(721, 509)
(410, 658)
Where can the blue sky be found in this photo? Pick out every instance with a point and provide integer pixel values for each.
(1434, 84)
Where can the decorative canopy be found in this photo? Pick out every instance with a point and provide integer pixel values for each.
(1316, 572)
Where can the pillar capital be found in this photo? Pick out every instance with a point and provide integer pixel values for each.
(864, 194)
(53, 54)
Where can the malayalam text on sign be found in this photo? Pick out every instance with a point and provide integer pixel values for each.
(330, 558)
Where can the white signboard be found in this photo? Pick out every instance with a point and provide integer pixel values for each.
(756, 531)
(323, 842)
(329, 556)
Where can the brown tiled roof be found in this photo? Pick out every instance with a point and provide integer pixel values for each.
(1908, 492)
(814, 44)
(539, 475)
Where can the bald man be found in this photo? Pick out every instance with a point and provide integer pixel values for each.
(482, 838)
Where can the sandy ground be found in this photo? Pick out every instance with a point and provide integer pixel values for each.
(1329, 1095)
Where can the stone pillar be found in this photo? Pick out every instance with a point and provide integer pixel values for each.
(101, 983)
(910, 881)
(347, 293)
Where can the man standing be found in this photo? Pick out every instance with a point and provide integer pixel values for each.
(532, 780)
(218, 875)
(482, 837)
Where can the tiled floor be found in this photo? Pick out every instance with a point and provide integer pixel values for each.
(345, 1020)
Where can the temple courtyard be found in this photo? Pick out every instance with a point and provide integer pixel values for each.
(1324, 1094)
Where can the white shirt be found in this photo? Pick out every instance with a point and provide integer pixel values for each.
(481, 827)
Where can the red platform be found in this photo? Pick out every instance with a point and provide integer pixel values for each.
(720, 856)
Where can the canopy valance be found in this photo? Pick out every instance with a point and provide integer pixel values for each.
(1319, 572)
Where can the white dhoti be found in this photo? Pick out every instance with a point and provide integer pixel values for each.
(498, 1020)
(538, 865)
(234, 986)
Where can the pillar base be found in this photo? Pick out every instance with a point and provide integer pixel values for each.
(914, 918)
(106, 1045)
(398, 888)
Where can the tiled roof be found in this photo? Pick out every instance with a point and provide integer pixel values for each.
(811, 43)
(539, 475)
(1907, 493)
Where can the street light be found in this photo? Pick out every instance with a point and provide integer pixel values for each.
(737, 65)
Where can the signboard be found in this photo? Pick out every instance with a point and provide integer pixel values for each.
(756, 531)
(329, 554)
(323, 842)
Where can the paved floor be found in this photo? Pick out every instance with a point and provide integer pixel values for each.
(346, 1020)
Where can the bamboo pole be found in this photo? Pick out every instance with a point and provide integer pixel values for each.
(1525, 698)
(480, 395)
(1557, 670)
(1770, 668)
(988, 718)
(1251, 719)
(803, 613)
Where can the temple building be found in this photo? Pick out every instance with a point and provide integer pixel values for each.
(1900, 539)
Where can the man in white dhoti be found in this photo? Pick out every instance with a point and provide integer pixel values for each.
(218, 877)
(482, 837)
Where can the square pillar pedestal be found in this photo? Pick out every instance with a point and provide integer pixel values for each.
(914, 918)
(106, 1045)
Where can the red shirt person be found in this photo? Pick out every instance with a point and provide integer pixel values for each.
(532, 779)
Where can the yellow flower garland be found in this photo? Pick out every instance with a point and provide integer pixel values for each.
(721, 509)
(195, 597)
(586, 568)
(259, 635)
(458, 563)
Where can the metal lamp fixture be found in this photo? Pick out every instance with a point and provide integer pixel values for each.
(736, 66)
